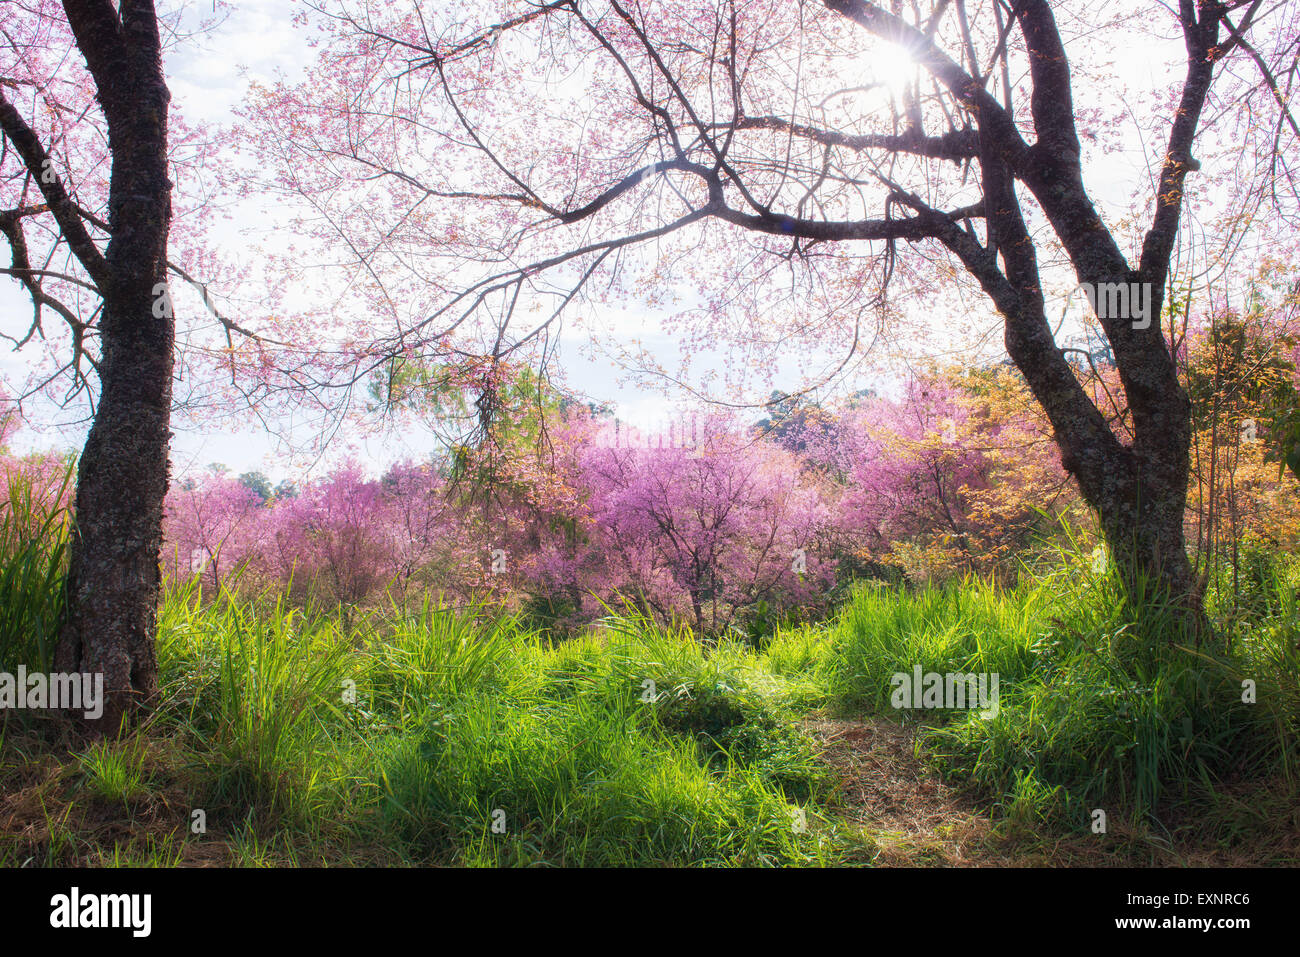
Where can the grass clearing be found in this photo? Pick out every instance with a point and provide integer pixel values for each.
(452, 737)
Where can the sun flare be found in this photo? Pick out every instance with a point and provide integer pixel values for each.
(891, 66)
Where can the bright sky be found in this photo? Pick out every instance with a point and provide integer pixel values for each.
(258, 42)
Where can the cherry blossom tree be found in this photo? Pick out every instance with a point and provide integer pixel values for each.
(706, 530)
(56, 176)
(9, 420)
(826, 155)
(212, 527)
(91, 152)
(955, 475)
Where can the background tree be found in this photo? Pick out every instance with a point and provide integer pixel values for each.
(709, 532)
(258, 484)
(206, 522)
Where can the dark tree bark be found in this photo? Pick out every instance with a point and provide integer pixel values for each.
(1140, 491)
(114, 575)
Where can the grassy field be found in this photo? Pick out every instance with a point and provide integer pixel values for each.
(430, 736)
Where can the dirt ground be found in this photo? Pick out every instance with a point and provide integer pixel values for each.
(904, 815)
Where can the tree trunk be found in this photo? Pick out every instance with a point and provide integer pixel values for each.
(115, 575)
(1138, 491)
(1141, 511)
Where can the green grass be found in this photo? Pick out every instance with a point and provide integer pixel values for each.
(417, 728)
(1097, 710)
(434, 736)
(116, 771)
(33, 561)
(580, 782)
(258, 692)
(638, 744)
